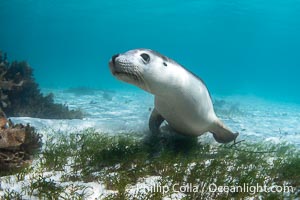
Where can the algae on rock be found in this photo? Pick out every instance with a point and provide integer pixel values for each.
(20, 94)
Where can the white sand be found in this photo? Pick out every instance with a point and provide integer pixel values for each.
(120, 111)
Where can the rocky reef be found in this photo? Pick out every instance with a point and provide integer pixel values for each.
(20, 94)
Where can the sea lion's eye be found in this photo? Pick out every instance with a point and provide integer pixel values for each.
(165, 64)
(145, 57)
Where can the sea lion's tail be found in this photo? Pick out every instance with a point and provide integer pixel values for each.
(221, 133)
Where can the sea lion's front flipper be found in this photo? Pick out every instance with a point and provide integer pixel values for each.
(221, 133)
(155, 121)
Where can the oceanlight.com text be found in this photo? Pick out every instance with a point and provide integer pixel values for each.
(251, 189)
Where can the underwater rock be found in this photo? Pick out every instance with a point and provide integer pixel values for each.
(107, 96)
(92, 102)
(18, 144)
(79, 91)
(3, 120)
(20, 94)
(11, 137)
(219, 103)
(225, 108)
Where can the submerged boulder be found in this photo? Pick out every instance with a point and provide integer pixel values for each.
(18, 144)
(12, 137)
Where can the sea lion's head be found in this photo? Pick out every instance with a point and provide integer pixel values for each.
(146, 69)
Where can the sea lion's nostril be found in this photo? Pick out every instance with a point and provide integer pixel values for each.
(114, 58)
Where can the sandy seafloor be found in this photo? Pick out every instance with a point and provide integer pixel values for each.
(117, 112)
(122, 111)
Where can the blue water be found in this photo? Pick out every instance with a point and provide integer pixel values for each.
(236, 46)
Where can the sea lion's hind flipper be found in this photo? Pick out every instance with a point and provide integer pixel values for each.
(155, 121)
(222, 134)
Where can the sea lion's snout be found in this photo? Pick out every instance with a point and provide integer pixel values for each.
(128, 68)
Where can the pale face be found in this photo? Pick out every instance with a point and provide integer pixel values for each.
(146, 69)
